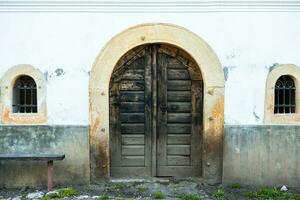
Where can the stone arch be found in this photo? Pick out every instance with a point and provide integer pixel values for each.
(291, 118)
(7, 83)
(213, 79)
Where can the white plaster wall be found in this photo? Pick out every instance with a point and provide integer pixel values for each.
(247, 44)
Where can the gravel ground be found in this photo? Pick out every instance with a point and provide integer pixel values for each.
(140, 189)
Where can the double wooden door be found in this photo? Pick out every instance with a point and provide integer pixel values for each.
(156, 114)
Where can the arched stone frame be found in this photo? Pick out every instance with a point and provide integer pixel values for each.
(289, 118)
(213, 78)
(7, 84)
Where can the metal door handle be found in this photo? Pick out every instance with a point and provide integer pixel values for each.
(163, 108)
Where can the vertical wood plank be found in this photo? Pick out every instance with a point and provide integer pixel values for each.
(115, 125)
(197, 122)
(162, 112)
(148, 108)
(154, 109)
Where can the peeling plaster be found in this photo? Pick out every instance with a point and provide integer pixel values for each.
(272, 66)
(257, 118)
(227, 70)
(59, 72)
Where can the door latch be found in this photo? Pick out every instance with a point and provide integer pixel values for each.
(163, 108)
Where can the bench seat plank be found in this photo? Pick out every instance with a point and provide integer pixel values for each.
(38, 157)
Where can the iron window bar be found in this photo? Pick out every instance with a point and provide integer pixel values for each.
(25, 95)
(285, 91)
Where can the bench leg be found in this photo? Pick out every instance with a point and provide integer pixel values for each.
(50, 175)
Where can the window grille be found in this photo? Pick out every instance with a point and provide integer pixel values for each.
(25, 95)
(285, 101)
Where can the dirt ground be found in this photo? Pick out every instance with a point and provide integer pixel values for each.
(191, 189)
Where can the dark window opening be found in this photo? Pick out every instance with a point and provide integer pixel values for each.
(25, 95)
(285, 100)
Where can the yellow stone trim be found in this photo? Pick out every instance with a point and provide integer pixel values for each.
(270, 117)
(6, 86)
(213, 79)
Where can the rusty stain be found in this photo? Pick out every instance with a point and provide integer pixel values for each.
(8, 118)
(218, 109)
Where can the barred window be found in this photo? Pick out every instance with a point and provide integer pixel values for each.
(25, 95)
(285, 100)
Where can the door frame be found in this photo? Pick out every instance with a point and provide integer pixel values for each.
(213, 98)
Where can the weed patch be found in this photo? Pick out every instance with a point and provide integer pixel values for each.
(66, 192)
(189, 197)
(103, 197)
(236, 186)
(158, 195)
(219, 194)
(271, 194)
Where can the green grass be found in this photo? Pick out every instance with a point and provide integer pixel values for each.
(236, 186)
(44, 198)
(219, 194)
(271, 194)
(66, 192)
(158, 195)
(189, 197)
(141, 188)
(103, 196)
(118, 187)
(61, 193)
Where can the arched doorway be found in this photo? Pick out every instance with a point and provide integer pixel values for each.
(213, 94)
(156, 109)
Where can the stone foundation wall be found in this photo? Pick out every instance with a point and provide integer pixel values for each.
(262, 155)
(71, 140)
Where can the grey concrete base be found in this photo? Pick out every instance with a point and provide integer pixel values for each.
(262, 155)
(73, 141)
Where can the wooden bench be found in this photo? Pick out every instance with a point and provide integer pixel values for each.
(37, 157)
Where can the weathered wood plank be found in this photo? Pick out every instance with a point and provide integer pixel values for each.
(148, 107)
(179, 107)
(154, 111)
(162, 112)
(132, 128)
(179, 139)
(133, 139)
(179, 128)
(35, 156)
(133, 161)
(178, 74)
(132, 117)
(130, 107)
(138, 63)
(178, 160)
(115, 125)
(179, 149)
(197, 122)
(179, 85)
(133, 150)
(175, 64)
(179, 96)
(132, 86)
(133, 74)
(179, 117)
(132, 96)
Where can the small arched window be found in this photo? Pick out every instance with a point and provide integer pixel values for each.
(24, 95)
(285, 100)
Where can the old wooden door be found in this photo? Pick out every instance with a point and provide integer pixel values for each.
(156, 114)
